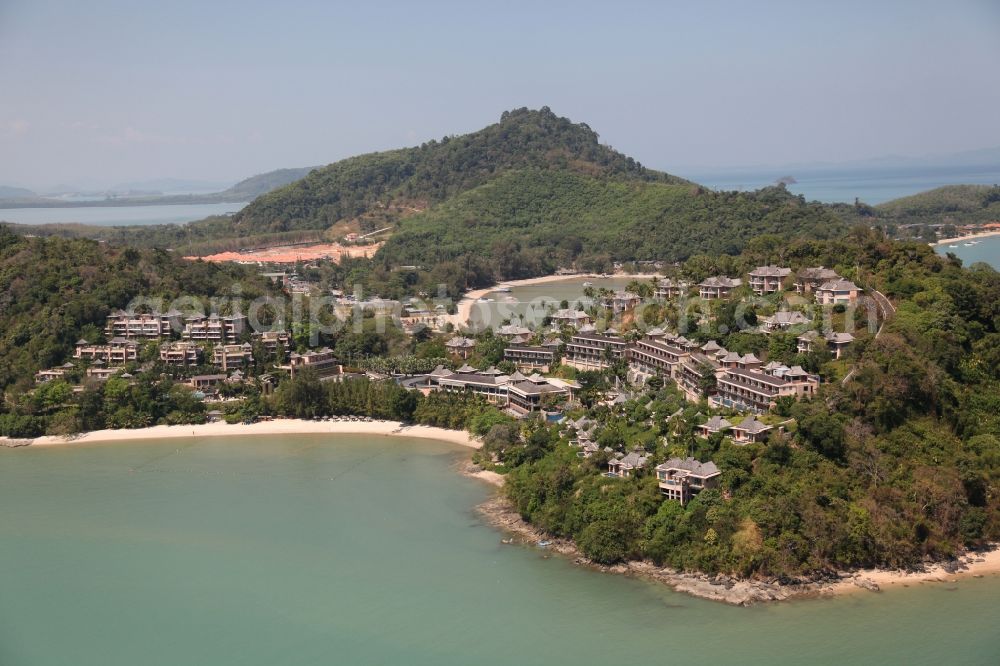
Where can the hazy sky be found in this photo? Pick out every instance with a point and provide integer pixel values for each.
(96, 92)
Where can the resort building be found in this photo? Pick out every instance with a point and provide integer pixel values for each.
(669, 288)
(680, 479)
(180, 353)
(811, 341)
(625, 465)
(118, 351)
(837, 291)
(229, 356)
(99, 373)
(514, 333)
(750, 430)
(460, 346)
(271, 341)
(529, 394)
(321, 360)
(152, 325)
(750, 391)
(517, 393)
(531, 357)
(768, 279)
(52, 374)
(718, 287)
(650, 356)
(568, 317)
(808, 280)
(784, 320)
(623, 300)
(204, 382)
(214, 328)
(593, 351)
(714, 425)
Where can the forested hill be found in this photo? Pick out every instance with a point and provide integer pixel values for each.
(54, 291)
(531, 221)
(400, 181)
(262, 183)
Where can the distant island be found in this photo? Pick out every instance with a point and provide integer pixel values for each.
(245, 190)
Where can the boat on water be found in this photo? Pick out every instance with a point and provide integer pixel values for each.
(968, 244)
(952, 246)
(502, 290)
(588, 284)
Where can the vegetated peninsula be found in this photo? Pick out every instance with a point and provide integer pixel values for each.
(792, 397)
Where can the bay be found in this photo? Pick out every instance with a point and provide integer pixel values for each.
(366, 550)
(117, 216)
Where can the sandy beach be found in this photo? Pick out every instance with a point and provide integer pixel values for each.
(961, 239)
(465, 305)
(274, 427)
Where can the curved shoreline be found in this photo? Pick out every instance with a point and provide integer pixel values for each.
(499, 513)
(978, 234)
(273, 427)
(470, 298)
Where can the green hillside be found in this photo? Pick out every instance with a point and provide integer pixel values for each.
(945, 200)
(530, 221)
(418, 177)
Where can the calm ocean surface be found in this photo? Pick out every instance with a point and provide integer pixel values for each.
(987, 250)
(115, 216)
(871, 185)
(350, 550)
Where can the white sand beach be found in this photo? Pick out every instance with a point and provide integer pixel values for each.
(273, 427)
(974, 565)
(963, 239)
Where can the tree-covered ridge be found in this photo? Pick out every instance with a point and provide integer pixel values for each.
(53, 290)
(529, 222)
(437, 170)
(898, 464)
(948, 199)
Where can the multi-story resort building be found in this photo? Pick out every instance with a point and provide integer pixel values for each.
(649, 356)
(837, 291)
(837, 343)
(680, 479)
(668, 288)
(271, 341)
(768, 279)
(718, 286)
(214, 328)
(529, 358)
(569, 317)
(460, 346)
(132, 325)
(519, 394)
(756, 391)
(623, 300)
(809, 279)
(118, 351)
(714, 425)
(322, 361)
(180, 353)
(624, 465)
(784, 320)
(231, 356)
(594, 351)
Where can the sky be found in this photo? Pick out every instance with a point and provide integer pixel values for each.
(101, 92)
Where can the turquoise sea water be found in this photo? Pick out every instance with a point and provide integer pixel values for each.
(987, 250)
(115, 216)
(350, 550)
(531, 302)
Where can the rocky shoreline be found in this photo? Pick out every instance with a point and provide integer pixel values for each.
(498, 512)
